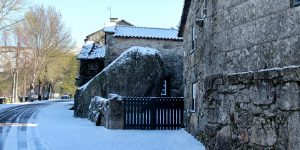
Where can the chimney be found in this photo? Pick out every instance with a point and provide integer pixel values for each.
(114, 20)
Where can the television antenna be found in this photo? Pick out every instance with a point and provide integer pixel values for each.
(109, 9)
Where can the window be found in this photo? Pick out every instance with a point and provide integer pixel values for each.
(295, 2)
(164, 88)
(194, 95)
(193, 39)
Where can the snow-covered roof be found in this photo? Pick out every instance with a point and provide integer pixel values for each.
(143, 32)
(91, 50)
(110, 29)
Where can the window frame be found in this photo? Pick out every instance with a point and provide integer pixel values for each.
(164, 88)
(193, 98)
(193, 42)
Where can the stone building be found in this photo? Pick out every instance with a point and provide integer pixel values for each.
(91, 59)
(92, 54)
(99, 36)
(242, 73)
(120, 35)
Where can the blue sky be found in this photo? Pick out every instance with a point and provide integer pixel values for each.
(87, 16)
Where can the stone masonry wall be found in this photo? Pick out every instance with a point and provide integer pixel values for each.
(246, 35)
(194, 71)
(256, 110)
(97, 37)
(236, 36)
(171, 51)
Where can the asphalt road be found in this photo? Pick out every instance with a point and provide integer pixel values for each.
(20, 119)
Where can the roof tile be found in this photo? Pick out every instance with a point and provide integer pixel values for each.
(91, 50)
(146, 32)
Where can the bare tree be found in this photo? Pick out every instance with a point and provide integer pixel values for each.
(46, 35)
(19, 42)
(7, 62)
(9, 12)
(10, 53)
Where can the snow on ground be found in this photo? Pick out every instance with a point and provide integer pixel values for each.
(6, 105)
(24, 103)
(58, 129)
(14, 104)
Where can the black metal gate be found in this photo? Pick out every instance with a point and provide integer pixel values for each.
(149, 113)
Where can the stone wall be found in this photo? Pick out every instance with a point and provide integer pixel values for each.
(255, 110)
(97, 37)
(171, 51)
(194, 70)
(249, 35)
(236, 36)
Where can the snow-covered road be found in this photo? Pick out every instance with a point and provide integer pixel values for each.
(55, 128)
(17, 124)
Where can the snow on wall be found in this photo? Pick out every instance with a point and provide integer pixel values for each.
(91, 50)
(115, 96)
(263, 70)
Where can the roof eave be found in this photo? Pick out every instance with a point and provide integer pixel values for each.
(143, 37)
(185, 12)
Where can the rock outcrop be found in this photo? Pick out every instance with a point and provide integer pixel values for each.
(107, 112)
(139, 71)
(97, 109)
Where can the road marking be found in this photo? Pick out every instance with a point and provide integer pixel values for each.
(18, 124)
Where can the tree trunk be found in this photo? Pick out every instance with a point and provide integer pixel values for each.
(52, 89)
(31, 91)
(17, 68)
(24, 83)
(48, 91)
(13, 88)
(39, 90)
(16, 86)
